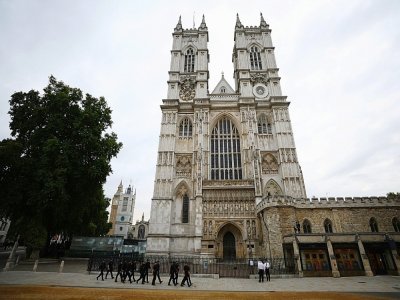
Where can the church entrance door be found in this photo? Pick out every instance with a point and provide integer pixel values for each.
(229, 246)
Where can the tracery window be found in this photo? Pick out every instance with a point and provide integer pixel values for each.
(306, 226)
(264, 127)
(225, 151)
(185, 128)
(396, 224)
(374, 225)
(185, 209)
(125, 204)
(328, 226)
(255, 58)
(223, 90)
(189, 61)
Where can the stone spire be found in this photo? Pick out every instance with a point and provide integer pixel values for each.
(238, 23)
(120, 187)
(262, 22)
(203, 24)
(179, 25)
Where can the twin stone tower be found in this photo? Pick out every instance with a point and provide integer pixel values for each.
(221, 153)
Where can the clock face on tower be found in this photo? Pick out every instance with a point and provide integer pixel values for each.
(260, 90)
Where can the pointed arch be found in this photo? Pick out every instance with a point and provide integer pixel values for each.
(255, 57)
(263, 124)
(307, 226)
(396, 224)
(190, 57)
(328, 226)
(181, 203)
(272, 188)
(185, 128)
(373, 225)
(225, 158)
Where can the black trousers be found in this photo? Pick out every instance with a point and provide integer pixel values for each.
(267, 276)
(260, 275)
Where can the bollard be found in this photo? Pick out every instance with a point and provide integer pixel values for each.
(61, 267)
(36, 265)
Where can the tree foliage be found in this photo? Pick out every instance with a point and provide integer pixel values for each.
(54, 166)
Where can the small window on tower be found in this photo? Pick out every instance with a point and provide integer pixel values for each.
(223, 90)
(185, 128)
(189, 61)
(255, 58)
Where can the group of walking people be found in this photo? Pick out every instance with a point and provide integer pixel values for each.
(126, 271)
(263, 269)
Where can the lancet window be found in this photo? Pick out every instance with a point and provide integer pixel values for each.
(306, 226)
(255, 58)
(225, 151)
(185, 128)
(374, 225)
(328, 226)
(189, 61)
(185, 209)
(264, 127)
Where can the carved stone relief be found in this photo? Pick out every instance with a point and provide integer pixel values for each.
(269, 163)
(183, 165)
(187, 91)
(258, 78)
(272, 188)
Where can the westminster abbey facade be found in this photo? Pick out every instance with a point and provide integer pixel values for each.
(228, 182)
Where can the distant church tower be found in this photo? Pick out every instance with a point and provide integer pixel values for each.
(220, 153)
(122, 208)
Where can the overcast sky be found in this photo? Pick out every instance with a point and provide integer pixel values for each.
(339, 64)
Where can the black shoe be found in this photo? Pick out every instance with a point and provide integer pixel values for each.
(160, 282)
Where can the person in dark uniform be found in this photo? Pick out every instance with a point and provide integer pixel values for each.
(142, 271)
(119, 271)
(110, 269)
(102, 267)
(156, 273)
(172, 274)
(125, 271)
(186, 270)
(148, 266)
(132, 268)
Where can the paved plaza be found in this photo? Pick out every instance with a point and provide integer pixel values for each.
(387, 286)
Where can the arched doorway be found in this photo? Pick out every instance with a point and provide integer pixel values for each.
(229, 246)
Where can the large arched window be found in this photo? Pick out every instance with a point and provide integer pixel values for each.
(185, 209)
(185, 128)
(328, 226)
(263, 125)
(373, 224)
(396, 224)
(189, 61)
(255, 58)
(306, 226)
(225, 151)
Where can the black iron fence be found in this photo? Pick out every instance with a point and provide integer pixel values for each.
(240, 268)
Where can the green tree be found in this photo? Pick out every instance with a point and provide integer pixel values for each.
(393, 195)
(54, 166)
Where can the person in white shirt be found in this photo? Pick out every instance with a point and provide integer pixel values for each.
(266, 270)
(261, 268)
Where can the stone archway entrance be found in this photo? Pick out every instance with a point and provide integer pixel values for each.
(230, 245)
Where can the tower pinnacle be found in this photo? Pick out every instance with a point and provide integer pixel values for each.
(179, 25)
(238, 23)
(262, 22)
(203, 24)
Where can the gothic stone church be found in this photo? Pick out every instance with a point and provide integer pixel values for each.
(228, 182)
